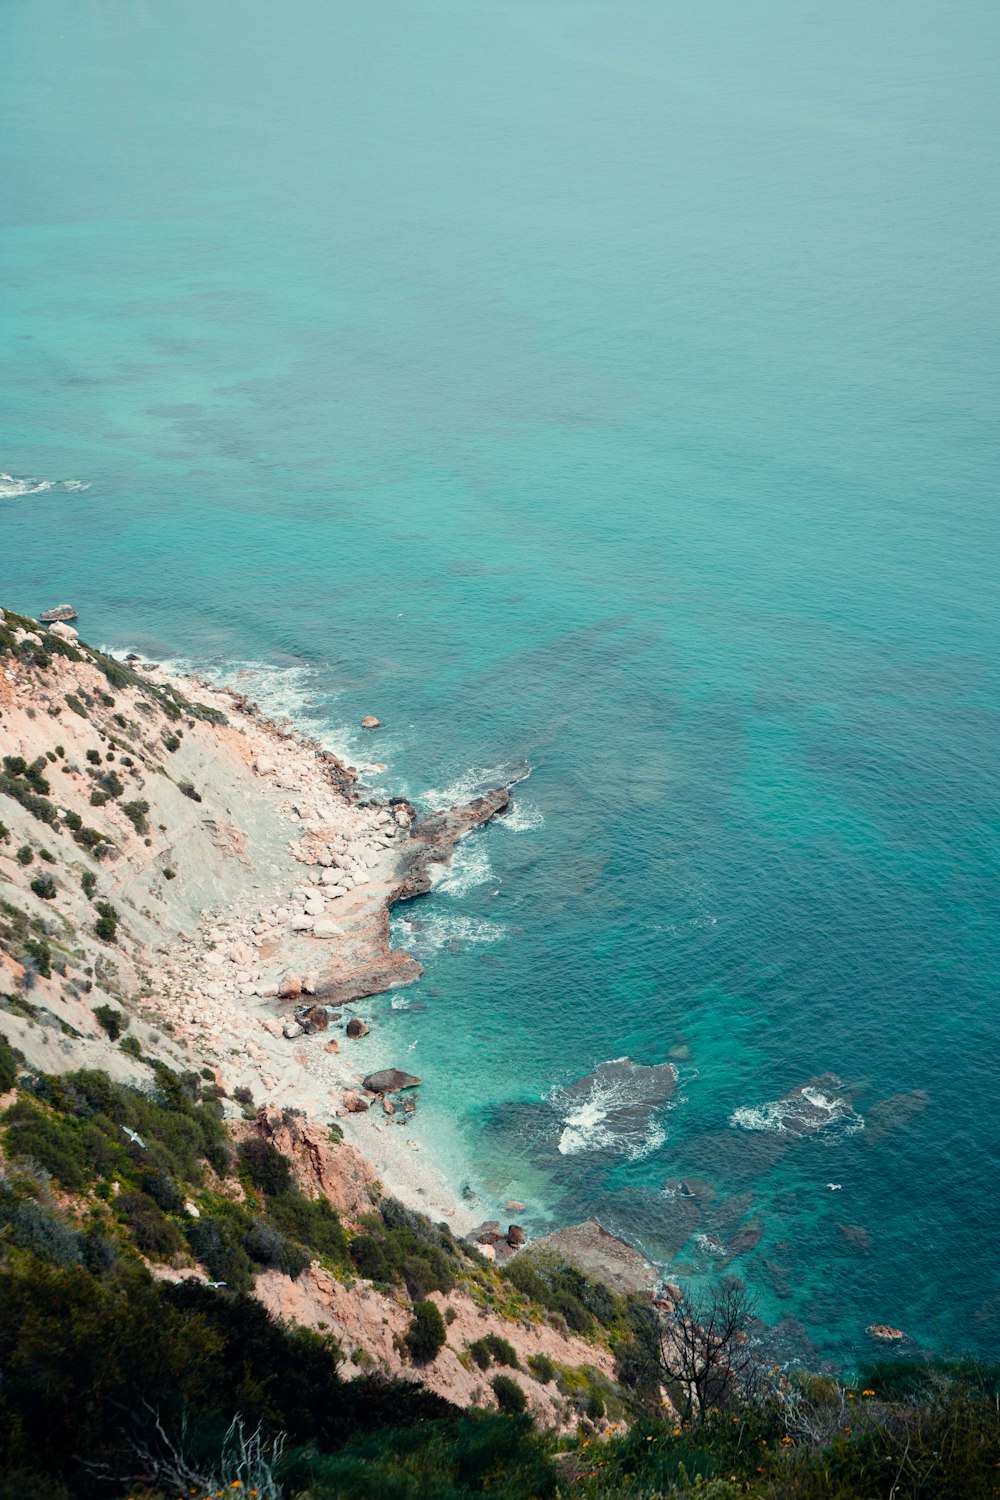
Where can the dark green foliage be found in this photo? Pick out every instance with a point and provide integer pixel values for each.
(8, 1065)
(369, 1255)
(169, 874)
(155, 1234)
(399, 1245)
(48, 857)
(74, 703)
(38, 950)
(59, 1149)
(510, 1397)
(131, 1046)
(265, 1167)
(17, 767)
(25, 854)
(188, 789)
(172, 742)
(88, 884)
(44, 886)
(112, 783)
(312, 1222)
(98, 798)
(491, 1348)
(94, 756)
(214, 1243)
(28, 1225)
(562, 1289)
(269, 1247)
(426, 1335)
(112, 1020)
(106, 926)
(542, 1368)
(136, 814)
(480, 1454)
(38, 805)
(4, 833)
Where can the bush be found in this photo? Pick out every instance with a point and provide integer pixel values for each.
(265, 1166)
(106, 926)
(368, 1254)
(49, 1141)
(94, 756)
(113, 1021)
(187, 788)
(542, 1368)
(29, 1226)
(313, 1222)
(44, 886)
(510, 1397)
(88, 884)
(212, 1243)
(136, 814)
(25, 854)
(154, 1234)
(493, 1347)
(426, 1335)
(8, 1065)
(131, 1046)
(268, 1247)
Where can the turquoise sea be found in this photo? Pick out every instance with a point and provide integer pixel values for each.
(611, 387)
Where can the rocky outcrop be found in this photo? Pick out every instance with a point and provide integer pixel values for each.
(333, 1170)
(390, 1081)
(591, 1248)
(885, 1333)
(61, 613)
(370, 722)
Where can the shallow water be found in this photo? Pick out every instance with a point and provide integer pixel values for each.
(611, 388)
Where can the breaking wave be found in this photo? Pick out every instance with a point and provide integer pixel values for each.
(523, 817)
(806, 1111)
(469, 868)
(474, 783)
(12, 487)
(425, 935)
(614, 1109)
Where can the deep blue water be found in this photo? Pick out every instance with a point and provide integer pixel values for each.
(611, 387)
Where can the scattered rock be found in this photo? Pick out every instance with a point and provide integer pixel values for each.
(302, 923)
(332, 1045)
(60, 613)
(64, 632)
(389, 1080)
(514, 1207)
(356, 1029)
(370, 722)
(745, 1239)
(884, 1332)
(291, 1030)
(314, 1019)
(290, 987)
(387, 1105)
(516, 1236)
(354, 1102)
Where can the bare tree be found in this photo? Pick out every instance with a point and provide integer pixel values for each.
(700, 1350)
(163, 1460)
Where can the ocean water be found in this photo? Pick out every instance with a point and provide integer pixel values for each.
(610, 388)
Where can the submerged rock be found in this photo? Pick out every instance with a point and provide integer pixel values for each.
(884, 1332)
(390, 1081)
(591, 1248)
(612, 1109)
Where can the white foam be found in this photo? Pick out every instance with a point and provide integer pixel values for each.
(469, 868)
(430, 933)
(587, 1125)
(523, 817)
(807, 1111)
(708, 1246)
(473, 783)
(12, 487)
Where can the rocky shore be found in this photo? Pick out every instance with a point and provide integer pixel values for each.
(251, 877)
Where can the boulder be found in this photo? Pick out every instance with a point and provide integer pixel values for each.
(884, 1332)
(354, 1103)
(302, 923)
(291, 1030)
(314, 1019)
(289, 987)
(516, 1236)
(325, 927)
(356, 1029)
(370, 722)
(387, 1105)
(332, 1045)
(64, 632)
(60, 613)
(389, 1081)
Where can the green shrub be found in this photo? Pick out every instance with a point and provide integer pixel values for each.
(30, 1226)
(368, 1254)
(269, 1247)
(154, 1234)
(172, 742)
(311, 1221)
(542, 1368)
(493, 1347)
(510, 1397)
(213, 1243)
(131, 1046)
(8, 1065)
(88, 884)
(113, 1021)
(188, 789)
(94, 756)
(106, 926)
(49, 1141)
(136, 814)
(426, 1335)
(25, 854)
(39, 951)
(44, 886)
(266, 1168)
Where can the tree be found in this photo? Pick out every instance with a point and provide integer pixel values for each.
(698, 1349)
